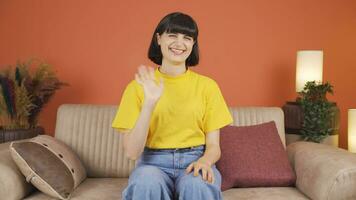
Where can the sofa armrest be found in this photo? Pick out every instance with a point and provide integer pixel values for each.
(323, 171)
(13, 184)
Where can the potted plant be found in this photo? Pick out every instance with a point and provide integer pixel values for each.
(312, 117)
(318, 113)
(23, 94)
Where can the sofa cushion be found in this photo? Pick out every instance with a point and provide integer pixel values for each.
(264, 193)
(49, 165)
(92, 189)
(253, 156)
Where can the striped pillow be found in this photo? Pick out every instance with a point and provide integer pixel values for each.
(49, 164)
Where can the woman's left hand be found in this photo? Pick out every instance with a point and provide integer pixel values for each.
(201, 164)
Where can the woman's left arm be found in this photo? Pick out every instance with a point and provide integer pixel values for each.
(212, 149)
(211, 156)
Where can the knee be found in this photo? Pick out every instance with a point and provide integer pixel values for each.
(192, 183)
(146, 177)
(194, 187)
(148, 182)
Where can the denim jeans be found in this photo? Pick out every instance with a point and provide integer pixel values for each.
(160, 175)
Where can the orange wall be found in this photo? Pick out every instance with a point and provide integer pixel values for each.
(248, 47)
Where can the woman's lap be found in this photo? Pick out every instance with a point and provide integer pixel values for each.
(167, 170)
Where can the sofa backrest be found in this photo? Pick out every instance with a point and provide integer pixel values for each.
(247, 116)
(87, 130)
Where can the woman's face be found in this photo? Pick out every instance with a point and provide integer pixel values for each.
(175, 47)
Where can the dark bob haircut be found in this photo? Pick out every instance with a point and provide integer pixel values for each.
(176, 22)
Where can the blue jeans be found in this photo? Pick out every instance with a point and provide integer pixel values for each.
(160, 175)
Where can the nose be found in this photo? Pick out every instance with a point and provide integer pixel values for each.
(180, 41)
(180, 38)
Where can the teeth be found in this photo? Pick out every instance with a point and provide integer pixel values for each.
(176, 51)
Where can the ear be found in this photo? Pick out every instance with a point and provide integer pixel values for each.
(158, 39)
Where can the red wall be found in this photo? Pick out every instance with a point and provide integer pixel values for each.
(248, 47)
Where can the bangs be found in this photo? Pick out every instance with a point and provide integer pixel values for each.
(183, 24)
(183, 29)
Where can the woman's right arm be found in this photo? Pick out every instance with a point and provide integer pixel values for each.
(135, 139)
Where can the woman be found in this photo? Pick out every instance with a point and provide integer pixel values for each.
(170, 117)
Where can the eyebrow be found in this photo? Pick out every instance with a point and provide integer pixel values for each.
(181, 34)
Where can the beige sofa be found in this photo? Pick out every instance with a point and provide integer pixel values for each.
(323, 172)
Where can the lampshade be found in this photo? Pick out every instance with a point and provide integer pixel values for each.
(309, 68)
(352, 130)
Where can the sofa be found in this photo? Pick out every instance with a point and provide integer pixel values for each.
(323, 172)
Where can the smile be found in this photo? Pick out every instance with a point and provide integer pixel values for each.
(177, 51)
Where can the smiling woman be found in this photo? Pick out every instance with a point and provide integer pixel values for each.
(171, 126)
(175, 39)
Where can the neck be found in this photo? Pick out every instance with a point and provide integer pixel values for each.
(172, 69)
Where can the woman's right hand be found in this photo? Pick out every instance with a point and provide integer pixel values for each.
(146, 78)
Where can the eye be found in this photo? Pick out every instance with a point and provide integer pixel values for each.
(188, 38)
(172, 35)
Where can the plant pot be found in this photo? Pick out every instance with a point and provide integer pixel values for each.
(293, 118)
(19, 134)
(332, 140)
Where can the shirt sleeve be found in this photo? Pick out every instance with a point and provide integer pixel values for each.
(128, 110)
(217, 114)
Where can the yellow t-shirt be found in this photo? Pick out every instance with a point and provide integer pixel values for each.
(191, 106)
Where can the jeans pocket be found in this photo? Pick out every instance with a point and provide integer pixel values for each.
(191, 156)
(195, 153)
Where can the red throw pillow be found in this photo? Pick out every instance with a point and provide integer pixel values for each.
(253, 156)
